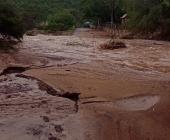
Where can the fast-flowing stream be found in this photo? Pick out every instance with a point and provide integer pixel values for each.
(68, 88)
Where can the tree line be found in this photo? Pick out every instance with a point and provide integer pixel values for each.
(144, 16)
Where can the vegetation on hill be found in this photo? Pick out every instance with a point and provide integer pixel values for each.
(60, 21)
(149, 16)
(144, 16)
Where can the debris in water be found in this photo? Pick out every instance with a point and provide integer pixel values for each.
(46, 119)
(58, 128)
(113, 45)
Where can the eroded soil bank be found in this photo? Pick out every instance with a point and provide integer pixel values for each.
(124, 93)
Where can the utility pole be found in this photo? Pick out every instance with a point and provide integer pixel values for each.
(112, 13)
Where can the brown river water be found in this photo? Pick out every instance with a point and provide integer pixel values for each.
(124, 93)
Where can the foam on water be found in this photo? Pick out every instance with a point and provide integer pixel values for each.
(137, 103)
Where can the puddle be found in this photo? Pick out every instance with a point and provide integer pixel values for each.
(137, 103)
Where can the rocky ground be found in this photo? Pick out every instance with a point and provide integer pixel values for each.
(67, 88)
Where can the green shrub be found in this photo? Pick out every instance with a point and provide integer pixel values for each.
(61, 21)
(148, 16)
(10, 22)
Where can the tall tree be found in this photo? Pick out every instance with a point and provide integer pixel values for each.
(10, 22)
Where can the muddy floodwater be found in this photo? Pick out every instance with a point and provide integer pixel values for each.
(68, 88)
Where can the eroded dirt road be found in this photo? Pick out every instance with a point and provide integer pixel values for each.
(124, 93)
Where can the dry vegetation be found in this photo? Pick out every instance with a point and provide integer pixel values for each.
(111, 45)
